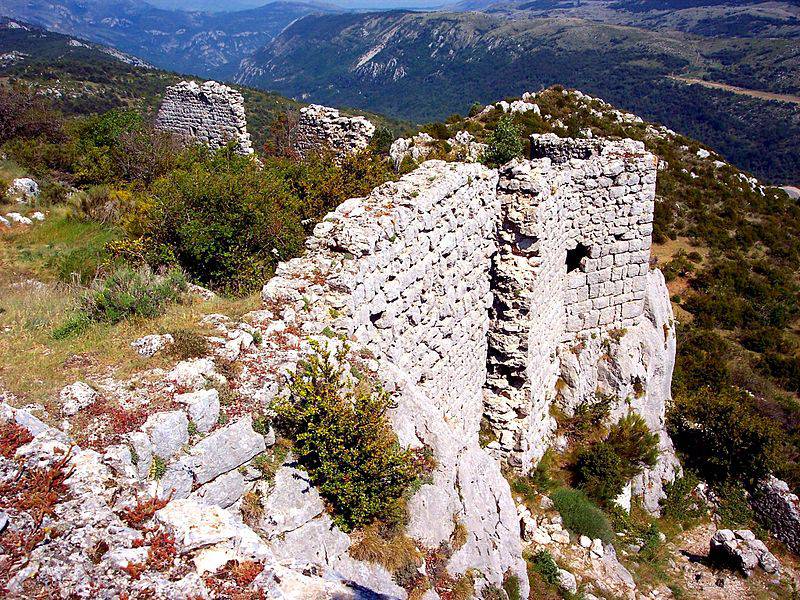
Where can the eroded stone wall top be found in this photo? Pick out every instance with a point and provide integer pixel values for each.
(322, 127)
(212, 114)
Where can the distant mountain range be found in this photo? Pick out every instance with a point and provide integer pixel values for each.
(426, 65)
(740, 18)
(204, 44)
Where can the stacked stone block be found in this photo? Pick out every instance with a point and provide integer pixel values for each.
(323, 127)
(421, 290)
(404, 275)
(595, 211)
(212, 114)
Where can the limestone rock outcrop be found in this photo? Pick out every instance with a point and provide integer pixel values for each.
(741, 550)
(212, 114)
(469, 293)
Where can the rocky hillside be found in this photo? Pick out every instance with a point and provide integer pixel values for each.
(81, 77)
(203, 44)
(482, 309)
(425, 66)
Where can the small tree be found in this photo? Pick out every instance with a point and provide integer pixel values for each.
(343, 439)
(604, 468)
(600, 473)
(283, 136)
(504, 144)
(634, 443)
(381, 142)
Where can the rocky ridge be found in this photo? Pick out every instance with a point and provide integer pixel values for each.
(409, 276)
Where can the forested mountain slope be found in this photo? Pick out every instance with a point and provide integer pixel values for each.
(427, 65)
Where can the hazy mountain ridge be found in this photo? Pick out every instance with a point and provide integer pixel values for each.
(741, 18)
(426, 65)
(204, 44)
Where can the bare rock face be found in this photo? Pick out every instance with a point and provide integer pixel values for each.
(212, 114)
(24, 188)
(322, 127)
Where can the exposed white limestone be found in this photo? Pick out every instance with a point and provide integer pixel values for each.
(571, 267)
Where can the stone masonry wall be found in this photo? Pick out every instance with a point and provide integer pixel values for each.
(421, 292)
(404, 274)
(212, 114)
(322, 126)
(572, 263)
(779, 509)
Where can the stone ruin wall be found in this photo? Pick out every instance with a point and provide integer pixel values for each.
(572, 265)
(324, 127)
(212, 114)
(454, 279)
(405, 275)
(421, 292)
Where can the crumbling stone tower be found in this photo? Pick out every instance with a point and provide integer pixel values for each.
(572, 262)
(324, 127)
(212, 114)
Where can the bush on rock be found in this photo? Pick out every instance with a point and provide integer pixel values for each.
(343, 438)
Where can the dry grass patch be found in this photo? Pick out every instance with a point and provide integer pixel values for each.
(35, 366)
(394, 550)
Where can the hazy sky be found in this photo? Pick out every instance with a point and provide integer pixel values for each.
(241, 4)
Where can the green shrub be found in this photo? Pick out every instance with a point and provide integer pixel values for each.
(651, 544)
(511, 586)
(734, 507)
(589, 416)
(546, 567)
(227, 221)
(133, 293)
(722, 436)
(381, 141)
(634, 443)
(504, 144)
(581, 515)
(600, 473)
(53, 193)
(342, 437)
(75, 324)
(101, 203)
(187, 344)
(678, 503)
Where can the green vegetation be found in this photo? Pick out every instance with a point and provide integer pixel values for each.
(581, 515)
(504, 143)
(626, 66)
(545, 566)
(342, 437)
(723, 437)
(227, 221)
(187, 344)
(129, 293)
(678, 504)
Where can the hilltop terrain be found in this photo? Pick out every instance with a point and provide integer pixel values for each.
(742, 18)
(543, 349)
(81, 77)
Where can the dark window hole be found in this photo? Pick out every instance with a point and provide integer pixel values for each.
(575, 256)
